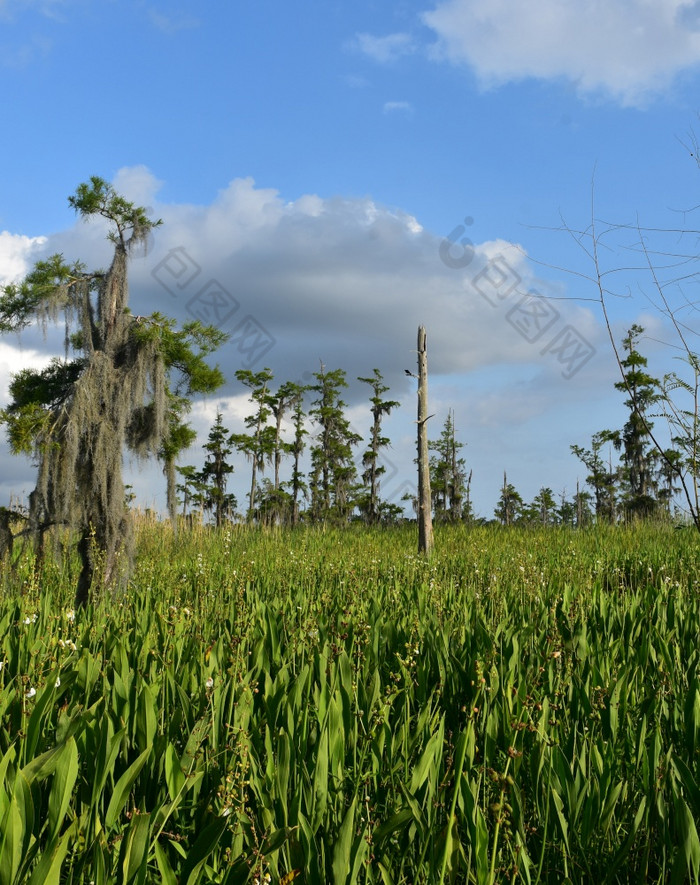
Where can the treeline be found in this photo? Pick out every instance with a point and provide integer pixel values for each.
(332, 490)
(341, 485)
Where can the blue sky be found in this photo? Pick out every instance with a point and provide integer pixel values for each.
(311, 158)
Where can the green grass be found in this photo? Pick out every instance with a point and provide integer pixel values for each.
(524, 707)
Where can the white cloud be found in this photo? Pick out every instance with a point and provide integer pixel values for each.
(627, 49)
(342, 280)
(13, 358)
(384, 49)
(137, 183)
(16, 255)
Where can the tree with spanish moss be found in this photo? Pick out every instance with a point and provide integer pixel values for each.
(124, 383)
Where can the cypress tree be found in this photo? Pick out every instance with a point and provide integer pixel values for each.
(125, 385)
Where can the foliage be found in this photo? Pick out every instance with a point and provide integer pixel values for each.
(212, 479)
(638, 455)
(602, 477)
(333, 475)
(259, 445)
(447, 474)
(510, 504)
(369, 503)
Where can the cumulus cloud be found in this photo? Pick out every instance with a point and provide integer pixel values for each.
(296, 282)
(138, 184)
(627, 49)
(16, 253)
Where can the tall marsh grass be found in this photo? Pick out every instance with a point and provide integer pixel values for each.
(327, 707)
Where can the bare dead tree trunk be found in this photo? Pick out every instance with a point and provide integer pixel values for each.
(425, 519)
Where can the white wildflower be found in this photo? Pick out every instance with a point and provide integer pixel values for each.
(58, 681)
(31, 692)
(209, 684)
(70, 615)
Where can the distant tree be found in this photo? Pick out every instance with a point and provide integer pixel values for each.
(280, 403)
(190, 488)
(126, 387)
(669, 470)
(582, 502)
(213, 478)
(447, 474)
(259, 445)
(333, 474)
(637, 451)
(602, 477)
(278, 504)
(180, 437)
(544, 507)
(369, 504)
(678, 395)
(296, 485)
(576, 512)
(510, 504)
(468, 510)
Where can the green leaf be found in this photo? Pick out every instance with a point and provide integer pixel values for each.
(123, 787)
(320, 782)
(689, 838)
(11, 845)
(197, 737)
(426, 762)
(201, 850)
(62, 788)
(343, 845)
(167, 876)
(146, 718)
(133, 856)
(174, 778)
(48, 870)
(16, 831)
(35, 724)
(397, 821)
